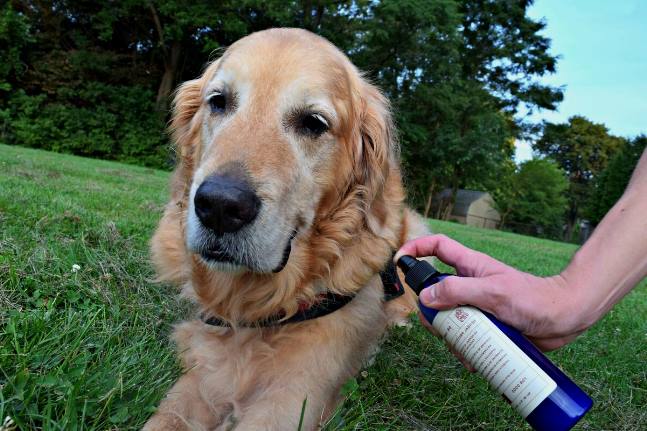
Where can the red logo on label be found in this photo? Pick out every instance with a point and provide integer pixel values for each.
(461, 315)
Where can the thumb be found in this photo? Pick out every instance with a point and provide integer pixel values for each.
(454, 291)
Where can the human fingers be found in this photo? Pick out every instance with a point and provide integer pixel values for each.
(508, 299)
(467, 262)
(453, 291)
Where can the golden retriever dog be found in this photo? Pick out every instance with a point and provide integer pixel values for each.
(287, 189)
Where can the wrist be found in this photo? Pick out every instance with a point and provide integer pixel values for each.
(576, 311)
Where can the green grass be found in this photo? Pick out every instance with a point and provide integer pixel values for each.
(89, 349)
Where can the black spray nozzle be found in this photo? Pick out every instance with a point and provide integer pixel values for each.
(417, 273)
(406, 263)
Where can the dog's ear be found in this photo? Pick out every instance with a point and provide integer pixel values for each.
(377, 147)
(168, 251)
(185, 129)
(186, 103)
(184, 134)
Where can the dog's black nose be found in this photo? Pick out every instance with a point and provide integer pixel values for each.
(225, 203)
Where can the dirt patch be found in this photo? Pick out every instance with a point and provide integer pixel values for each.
(67, 215)
(116, 173)
(113, 232)
(92, 186)
(25, 174)
(54, 174)
(152, 206)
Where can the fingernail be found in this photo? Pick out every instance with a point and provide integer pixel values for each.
(397, 256)
(428, 296)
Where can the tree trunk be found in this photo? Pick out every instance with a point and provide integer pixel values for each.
(171, 64)
(503, 217)
(318, 18)
(309, 21)
(427, 206)
(307, 11)
(171, 60)
(571, 221)
(452, 196)
(430, 195)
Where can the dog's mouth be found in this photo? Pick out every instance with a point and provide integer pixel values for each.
(218, 255)
(286, 253)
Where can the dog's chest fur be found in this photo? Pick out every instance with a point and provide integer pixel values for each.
(237, 370)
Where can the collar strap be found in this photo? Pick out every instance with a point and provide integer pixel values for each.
(327, 303)
(391, 282)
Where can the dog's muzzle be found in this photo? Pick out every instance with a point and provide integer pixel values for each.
(225, 204)
(226, 207)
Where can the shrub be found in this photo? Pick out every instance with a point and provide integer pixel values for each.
(540, 199)
(97, 120)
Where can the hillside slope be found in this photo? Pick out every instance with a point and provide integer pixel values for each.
(84, 330)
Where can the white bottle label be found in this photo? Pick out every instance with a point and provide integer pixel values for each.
(505, 366)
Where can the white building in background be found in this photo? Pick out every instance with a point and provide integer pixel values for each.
(472, 208)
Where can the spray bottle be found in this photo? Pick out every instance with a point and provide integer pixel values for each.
(534, 386)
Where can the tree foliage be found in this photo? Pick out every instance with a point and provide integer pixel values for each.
(582, 149)
(95, 77)
(503, 49)
(539, 197)
(503, 187)
(456, 72)
(611, 183)
(14, 39)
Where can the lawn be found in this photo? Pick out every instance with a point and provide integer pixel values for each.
(84, 329)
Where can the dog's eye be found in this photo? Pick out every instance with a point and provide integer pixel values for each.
(217, 103)
(314, 124)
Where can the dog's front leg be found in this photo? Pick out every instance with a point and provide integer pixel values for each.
(184, 408)
(279, 411)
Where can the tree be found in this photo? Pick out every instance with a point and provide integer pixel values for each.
(14, 39)
(455, 90)
(410, 48)
(190, 31)
(539, 200)
(97, 77)
(502, 185)
(503, 48)
(611, 183)
(582, 149)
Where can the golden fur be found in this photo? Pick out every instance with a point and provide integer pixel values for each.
(258, 378)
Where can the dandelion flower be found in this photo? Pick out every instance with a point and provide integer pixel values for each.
(7, 424)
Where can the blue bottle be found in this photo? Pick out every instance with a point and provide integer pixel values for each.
(534, 386)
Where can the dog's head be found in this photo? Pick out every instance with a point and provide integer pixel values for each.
(283, 148)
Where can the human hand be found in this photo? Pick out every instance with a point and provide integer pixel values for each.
(544, 309)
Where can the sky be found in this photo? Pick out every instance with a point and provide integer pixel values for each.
(602, 65)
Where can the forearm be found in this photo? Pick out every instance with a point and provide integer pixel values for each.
(614, 259)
